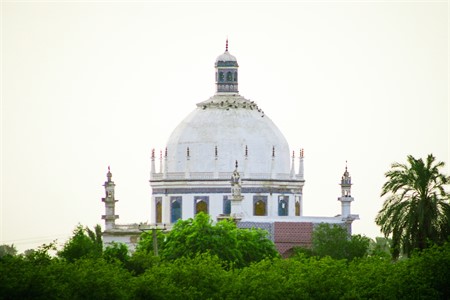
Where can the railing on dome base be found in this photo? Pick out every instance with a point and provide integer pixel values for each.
(219, 176)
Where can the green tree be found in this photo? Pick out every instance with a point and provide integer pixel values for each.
(380, 247)
(116, 252)
(334, 241)
(200, 277)
(293, 278)
(7, 250)
(234, 246)
(95, 278)
(32, 276)
(84, 243)
(416, 212)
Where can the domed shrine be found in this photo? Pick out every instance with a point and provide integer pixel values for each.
(228, 159)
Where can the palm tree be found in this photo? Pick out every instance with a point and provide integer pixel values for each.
(417, 210)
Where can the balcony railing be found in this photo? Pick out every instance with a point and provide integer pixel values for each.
(220, 176)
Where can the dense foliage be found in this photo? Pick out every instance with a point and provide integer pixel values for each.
(7, 250)
(425, 275)
(201, 260)
(334, 241)
(416, 213)
(83, 244)
(188, 238)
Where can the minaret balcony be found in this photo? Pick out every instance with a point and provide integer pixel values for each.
(109, 200)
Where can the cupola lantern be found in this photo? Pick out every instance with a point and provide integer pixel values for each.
(226, 73)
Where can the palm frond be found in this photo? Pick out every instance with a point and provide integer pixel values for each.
(416, 210)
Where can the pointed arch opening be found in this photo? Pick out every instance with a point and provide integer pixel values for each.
(283, 205)
(226, 205)
(201, 204)
(158, 210)
(175, 209)
(297, 206)
(260, 205)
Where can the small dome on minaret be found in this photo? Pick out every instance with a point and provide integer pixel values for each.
(226, 58)
(226, 72)
(346, 183)
(346, 179)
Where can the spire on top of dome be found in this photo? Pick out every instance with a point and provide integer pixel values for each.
(226, 72)
(226, 59)
(346, 174)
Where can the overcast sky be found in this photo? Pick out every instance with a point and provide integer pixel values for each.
(86, 85)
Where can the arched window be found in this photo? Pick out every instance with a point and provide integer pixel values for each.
(283, 205)
(260, 205)
(201, 204)
(235, 76)
(175, 209)
(221, 76)
(297, 206)
(229, 76)
(226, 205)
(158, 209)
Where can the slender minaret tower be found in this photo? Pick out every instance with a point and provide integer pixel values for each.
(226, 73)
(152, 167)
(216, 163)
(246, 173)
(301, 168)
(165, 164)
(346, 198)
(110, 203)
(293, 165)
(237, 212)
(160, 162)
(272, 166)
(187, 170)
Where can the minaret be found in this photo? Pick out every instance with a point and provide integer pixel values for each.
(301, 168)
(346, 198)
(165, 164)
(272, 166)
(237, 212)
(216, 162)
(110, 203)
(152, 167)
(187, 171)
(293, 165)
(226, 73)
(160, 162)
(245, 175)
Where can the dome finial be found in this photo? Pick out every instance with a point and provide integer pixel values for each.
(226, 46)
(346, 173)
(109, 175)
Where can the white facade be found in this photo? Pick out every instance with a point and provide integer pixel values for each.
(197, 164)
(224, 138)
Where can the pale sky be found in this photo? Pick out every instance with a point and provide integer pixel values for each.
(86, 84)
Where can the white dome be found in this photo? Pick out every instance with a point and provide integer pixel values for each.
(231, 123)
(226, 56)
